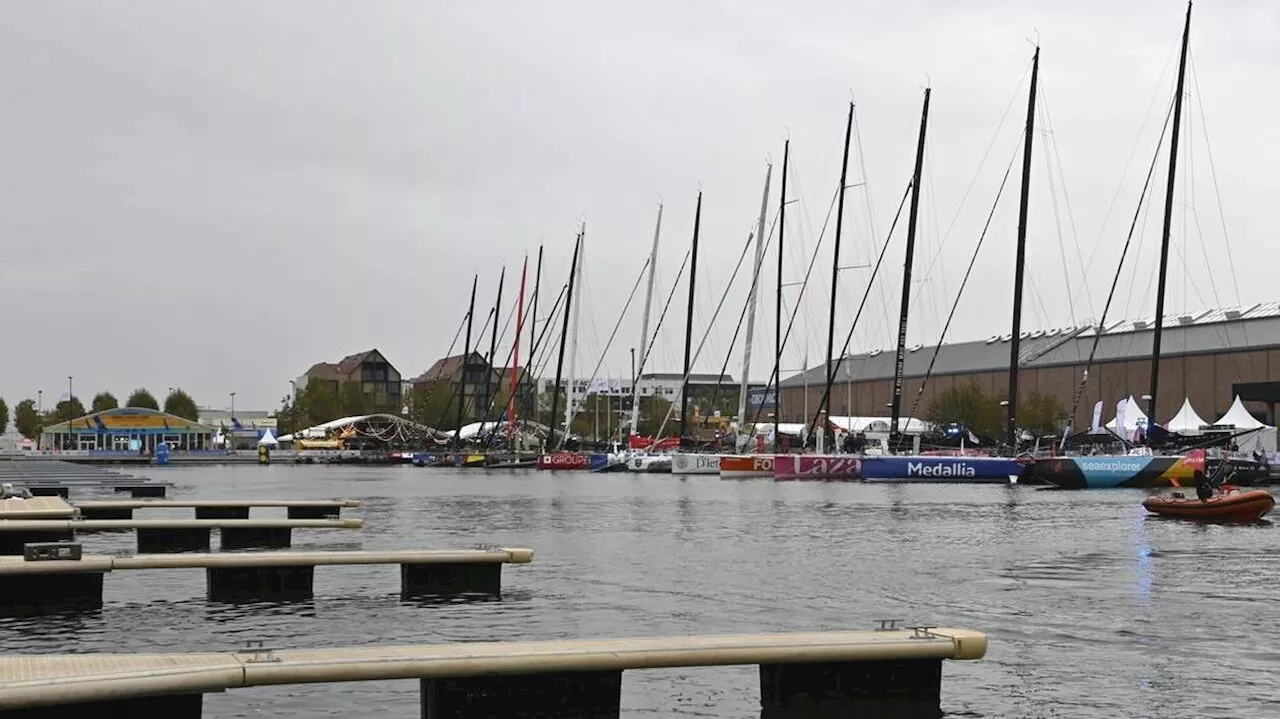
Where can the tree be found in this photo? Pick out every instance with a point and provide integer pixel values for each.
(968, 405)
(4, 416)
(317, 403)
(142, 399)
(180, 404)
(653, 410)
(432, 404)
(64, 411)
(1041, 414)
(102, 402)
(354, 401)
(26, 420)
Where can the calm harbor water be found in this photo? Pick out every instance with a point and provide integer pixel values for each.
(1093, 610)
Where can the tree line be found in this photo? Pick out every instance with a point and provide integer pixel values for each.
(28, 420)
(967, 405)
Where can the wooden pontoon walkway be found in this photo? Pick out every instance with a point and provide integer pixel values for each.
(215, 508)
(46, 585)
(36, 508)
(457, 675)
(167, 535)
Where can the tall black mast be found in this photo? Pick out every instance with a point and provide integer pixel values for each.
(896, 405)
(835, 256)
(1015, 338)
(777, 320)
(493, 343)
(564, 335)
(688, 322)
(533, 333)
(1168, 219)
(466, 358)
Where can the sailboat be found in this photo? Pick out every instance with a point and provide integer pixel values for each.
(821, 465)
(965, 468)
(1141, 468)
(741, 465)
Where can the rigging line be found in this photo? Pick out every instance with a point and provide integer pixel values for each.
(1057, 218)
(795, 311)
(981, 163)
(644, 356)
(1213, 173)
(706, 333)
(1244, 327)
(493, 396)
(1137, 140)
(541, 356)
(1195, 287)
(616, 325)
(449, 404)
(1128, 339)
(964, 282)
(742, 316)
(447, 354)
(1051, 134)
(485, 327)
(826, 222)
(844, 349)
(1102, 321)
(871, 209)
(524, 372)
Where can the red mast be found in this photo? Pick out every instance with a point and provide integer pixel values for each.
(515, 355)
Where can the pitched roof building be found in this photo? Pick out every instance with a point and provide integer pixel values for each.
(377, 377)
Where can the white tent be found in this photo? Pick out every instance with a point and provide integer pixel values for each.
(267, 439)
(1186, 421)
(1239, 417)
(1131, 417)
(1256, 435)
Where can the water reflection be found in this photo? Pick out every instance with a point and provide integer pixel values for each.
(1092, 612)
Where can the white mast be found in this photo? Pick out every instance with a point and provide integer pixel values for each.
(569, 407)
(751, 314)
(644, 326)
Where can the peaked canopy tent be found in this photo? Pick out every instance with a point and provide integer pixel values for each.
(267, 439)
(1256, 435)
(1186, 421)
(1239, 417)
(1129, 417)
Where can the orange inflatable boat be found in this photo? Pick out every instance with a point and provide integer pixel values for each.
(1231, 505)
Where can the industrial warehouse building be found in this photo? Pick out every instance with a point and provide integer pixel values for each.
(1208, 356)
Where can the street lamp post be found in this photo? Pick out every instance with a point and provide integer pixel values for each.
(70, 394)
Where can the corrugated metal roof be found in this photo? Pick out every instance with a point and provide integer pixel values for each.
(1252, 327)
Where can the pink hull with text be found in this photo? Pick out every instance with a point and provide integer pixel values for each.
(816, 466)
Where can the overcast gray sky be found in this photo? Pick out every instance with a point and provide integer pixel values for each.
(215, 195)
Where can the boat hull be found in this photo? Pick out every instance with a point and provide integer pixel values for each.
(1110, 472)
(942, 469)
(1247, 506)
(695, 464)
(652, 465)
(737, 466)
(572, 460)
(817, 466)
